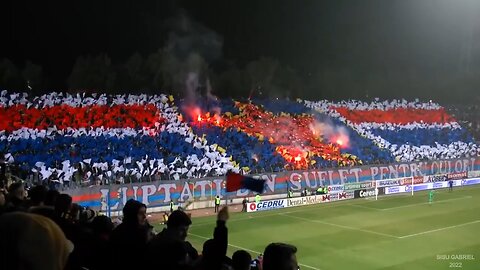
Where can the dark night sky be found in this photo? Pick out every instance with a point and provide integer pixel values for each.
(423, 38)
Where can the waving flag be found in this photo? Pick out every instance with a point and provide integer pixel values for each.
(237, 181)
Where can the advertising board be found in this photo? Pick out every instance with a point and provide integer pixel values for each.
(388, 183)
(468, 182)
(335, 189)
(393, 190)
(457, 176)
(357, 186)
(266, 205)
(345, 195)
(437, 178)
(364, 193)
(416, 180)
(304, 201)
(473, 174)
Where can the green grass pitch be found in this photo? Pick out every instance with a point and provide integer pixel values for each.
(395, 232)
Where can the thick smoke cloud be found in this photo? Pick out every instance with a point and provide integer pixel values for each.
(191, 46)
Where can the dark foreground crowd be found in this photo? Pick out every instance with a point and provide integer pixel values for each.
(44, 230)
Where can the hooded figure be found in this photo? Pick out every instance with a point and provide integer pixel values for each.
(98, 242)
(32, 242)
(174, 235)
(128, 241)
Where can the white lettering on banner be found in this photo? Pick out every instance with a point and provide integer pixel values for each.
(202, 185)
(295, 178)
(343, 177)
(218, 187)
(135, 189)
(458, 165)
(307, 180)
(373, 172)
(367, 193)
(186, 192)
(330, 177)
(322, 177)
(356, 172)
(296, 184)
(200, 189)
(147, 191)
(167, 188)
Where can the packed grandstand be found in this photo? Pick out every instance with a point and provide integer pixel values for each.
(90, 139)
(67, 141)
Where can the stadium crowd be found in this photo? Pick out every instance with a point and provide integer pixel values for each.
(93, 139)
(467, 115)
(44, 230)
(122, 144)
(411, 131)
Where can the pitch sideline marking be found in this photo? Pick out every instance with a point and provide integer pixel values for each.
(341, 226)
(416, 204)
(440, 229)
(250, 250)
(365, 207)
(306, 209)
(334, 204)
(362, 205)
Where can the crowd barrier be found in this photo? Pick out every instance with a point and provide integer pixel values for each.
(357, 194)
(157, 195)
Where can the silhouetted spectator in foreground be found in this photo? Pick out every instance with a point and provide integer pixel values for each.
(241, 260)
(51, 197)
(95, 256)
(176, 232)
(128, 241)
(36, 196)
(215, 250)
(37, 204)
(32, 242)
(3, 201)
(279, 256)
